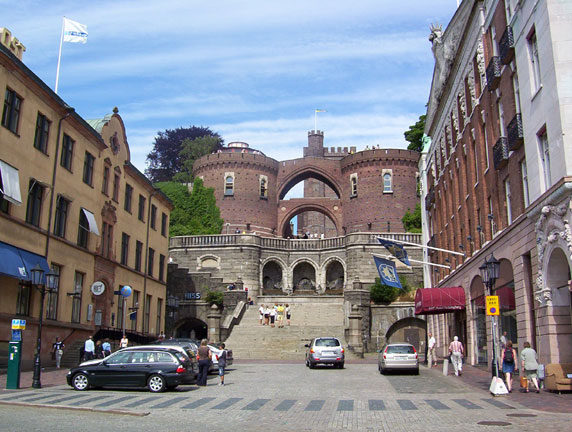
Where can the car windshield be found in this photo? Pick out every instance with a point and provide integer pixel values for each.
(327, 343)
(400, 349)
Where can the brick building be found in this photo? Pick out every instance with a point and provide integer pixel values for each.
(72, 202)
(496, 173)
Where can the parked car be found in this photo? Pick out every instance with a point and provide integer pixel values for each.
(325, 350)
(215, 353)
(157, 368)
(193, 344)
(188, 351)
(398, 356)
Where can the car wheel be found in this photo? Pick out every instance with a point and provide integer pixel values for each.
(311, 365)
(340, 365)
(382, 371)
(156, 383)
(416, 371)
(80, 382)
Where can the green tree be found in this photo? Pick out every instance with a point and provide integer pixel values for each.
(195, 213)
(412, 221)
(415, 135)
(191, 150)
(381, 293)
(215, 297)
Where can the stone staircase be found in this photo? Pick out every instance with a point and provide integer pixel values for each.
(310, 318)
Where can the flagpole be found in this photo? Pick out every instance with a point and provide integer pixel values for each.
(60, 55)
(316, 120)
(421, 246)
(413, 260)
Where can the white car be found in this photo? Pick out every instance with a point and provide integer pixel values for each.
(216, 352)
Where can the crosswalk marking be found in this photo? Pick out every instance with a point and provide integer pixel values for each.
(315, 405)
(169, 402)
(65, 399)
(438, 405)
(406, 404)
(497, 403)
(257, 404)
(285, 405)
(114, 401)
(376, 405)
(346, 405)
(141, 402)
(227, 403)
(198, 403)
(467, 404)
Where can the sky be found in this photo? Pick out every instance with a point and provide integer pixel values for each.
(253, 71)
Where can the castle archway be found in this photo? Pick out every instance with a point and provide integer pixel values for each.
(333, 276)
(192, 328)
(410, 330)
(272, 277)
(308, 169)
(304, 278)
(290, 208)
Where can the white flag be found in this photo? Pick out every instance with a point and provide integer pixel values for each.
(74, 31)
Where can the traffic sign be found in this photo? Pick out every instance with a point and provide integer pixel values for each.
(18, 324)
(493, 307)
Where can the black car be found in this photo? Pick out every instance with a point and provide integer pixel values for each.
(155, 368)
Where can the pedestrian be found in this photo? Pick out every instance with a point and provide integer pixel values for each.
(266, 315)
(106, 348)
(58, 350)
(221, 363)
(280, 316)
(272, 317)
(456, 352)
(124, 342)
(288, 313)
(431, 351)
(508, 361)
(89, 349)
(529, 360)
(204, 354)
(98, 350)
(261, 312)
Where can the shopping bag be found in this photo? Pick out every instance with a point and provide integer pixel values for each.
(523, 382)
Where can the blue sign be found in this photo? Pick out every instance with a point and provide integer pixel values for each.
(16, 335)
(126, 291)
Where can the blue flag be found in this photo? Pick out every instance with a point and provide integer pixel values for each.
(396, 250)
(387, 272)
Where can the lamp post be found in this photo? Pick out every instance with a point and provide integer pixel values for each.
(50, 285)
(490, 273)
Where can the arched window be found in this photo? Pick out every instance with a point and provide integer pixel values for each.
(263, 187)
(229, 184)
(353, 184)
(387, 183)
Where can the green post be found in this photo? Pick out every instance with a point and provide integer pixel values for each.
(14, 359)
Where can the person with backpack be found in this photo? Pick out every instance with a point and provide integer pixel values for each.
(509, 364)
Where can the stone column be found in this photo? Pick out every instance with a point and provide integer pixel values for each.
(214, 324)
(355, 331)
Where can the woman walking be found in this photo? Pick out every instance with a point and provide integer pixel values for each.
(529, 361)
(205, 356)
(509, 364)
(272, 317)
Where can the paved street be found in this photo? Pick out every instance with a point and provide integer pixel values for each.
(280, 397)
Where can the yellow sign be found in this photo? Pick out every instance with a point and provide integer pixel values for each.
(493, 305)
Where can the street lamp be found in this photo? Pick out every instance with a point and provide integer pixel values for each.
(490, 271)
(50, 285)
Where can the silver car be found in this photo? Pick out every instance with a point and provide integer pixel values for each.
(398, 356)
(325, 350)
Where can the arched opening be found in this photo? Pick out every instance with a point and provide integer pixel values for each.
(410, 330)
(291, 228)
(304, 279)
(272, 278)
(478, 309)
(504, 289)
(334, 277)
(322, 184)
(192, 328)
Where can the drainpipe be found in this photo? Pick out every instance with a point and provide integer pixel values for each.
(145, 270)
(69, 110)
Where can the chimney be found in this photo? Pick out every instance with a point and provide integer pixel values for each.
(13, 44)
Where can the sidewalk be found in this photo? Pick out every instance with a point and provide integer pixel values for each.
(481, 377)
(50, 377)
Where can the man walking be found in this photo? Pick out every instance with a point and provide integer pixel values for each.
(456, 351)
(89, 349)
(431, 351)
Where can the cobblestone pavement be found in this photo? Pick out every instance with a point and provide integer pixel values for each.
(283, 397)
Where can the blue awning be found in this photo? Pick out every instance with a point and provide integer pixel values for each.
(18, 263)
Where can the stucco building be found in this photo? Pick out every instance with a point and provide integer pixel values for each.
(496, 172)
(72, 202)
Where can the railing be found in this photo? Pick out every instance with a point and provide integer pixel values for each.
(204, 240)
(493, 73)
(515, 133)
(500, 153)
(506, 46)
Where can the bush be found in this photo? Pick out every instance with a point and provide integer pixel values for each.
(381, 293)
(214, 297)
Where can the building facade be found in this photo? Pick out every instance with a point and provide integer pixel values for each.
(72, 202)
(496, 173)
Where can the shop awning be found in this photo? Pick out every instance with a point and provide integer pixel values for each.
(430, 301)
(18, 263)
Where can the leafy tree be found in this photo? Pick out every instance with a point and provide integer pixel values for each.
(381, 293)
(215, 297)
(191, 151)
(415, 135)
(412, 221)
(164, 160)
(195, 213)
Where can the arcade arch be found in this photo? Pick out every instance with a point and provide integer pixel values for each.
(305, 173)
(273, 276)
(303, 276)
(411, 330)
(309, 205)
(192, 328)
(333, 275)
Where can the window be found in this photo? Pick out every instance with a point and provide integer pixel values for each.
(105, 184)
(164, 225)
(353, 185)
(107, 240)
(524, 174)
(486, 148)
(147, 313)
(534, 60)
(387, 183)
(153, 216)
(77, 293)
(52, 297)
(162, 267)
(491, 217)
(62, 207)
(67, 152)
(23, 301)
(128, 197)
(544, 151)
(159, 315)
(263, 187)
(42, 133)
(11, 113)
(34, 208)
(475, 155)
(133, 313)
(141, 212)
(88, 168)
(502, 129)
(151, 261)
(116, 179)
(138, 253)
(83, 230)
(124, 248)
(229, 184)
(507, 200)
(516, 87)
(4, 203)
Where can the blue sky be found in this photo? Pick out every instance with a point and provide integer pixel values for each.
(253, 71)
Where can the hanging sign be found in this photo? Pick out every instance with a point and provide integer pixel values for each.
(97, 288)
(493, 305)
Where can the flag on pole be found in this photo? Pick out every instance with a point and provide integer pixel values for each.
(320, 110)
(396, 250)
(387, 272)
(74, 31)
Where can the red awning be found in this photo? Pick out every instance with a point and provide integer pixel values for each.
(431, 301)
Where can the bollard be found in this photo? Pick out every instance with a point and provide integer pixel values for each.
(445, 367)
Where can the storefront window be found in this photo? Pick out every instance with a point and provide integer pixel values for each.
(507, 318)
(480, 326)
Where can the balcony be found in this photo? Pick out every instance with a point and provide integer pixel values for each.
(493, 73)
(500, 153)
(506, 46)
(430, 198)
(515, 133)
